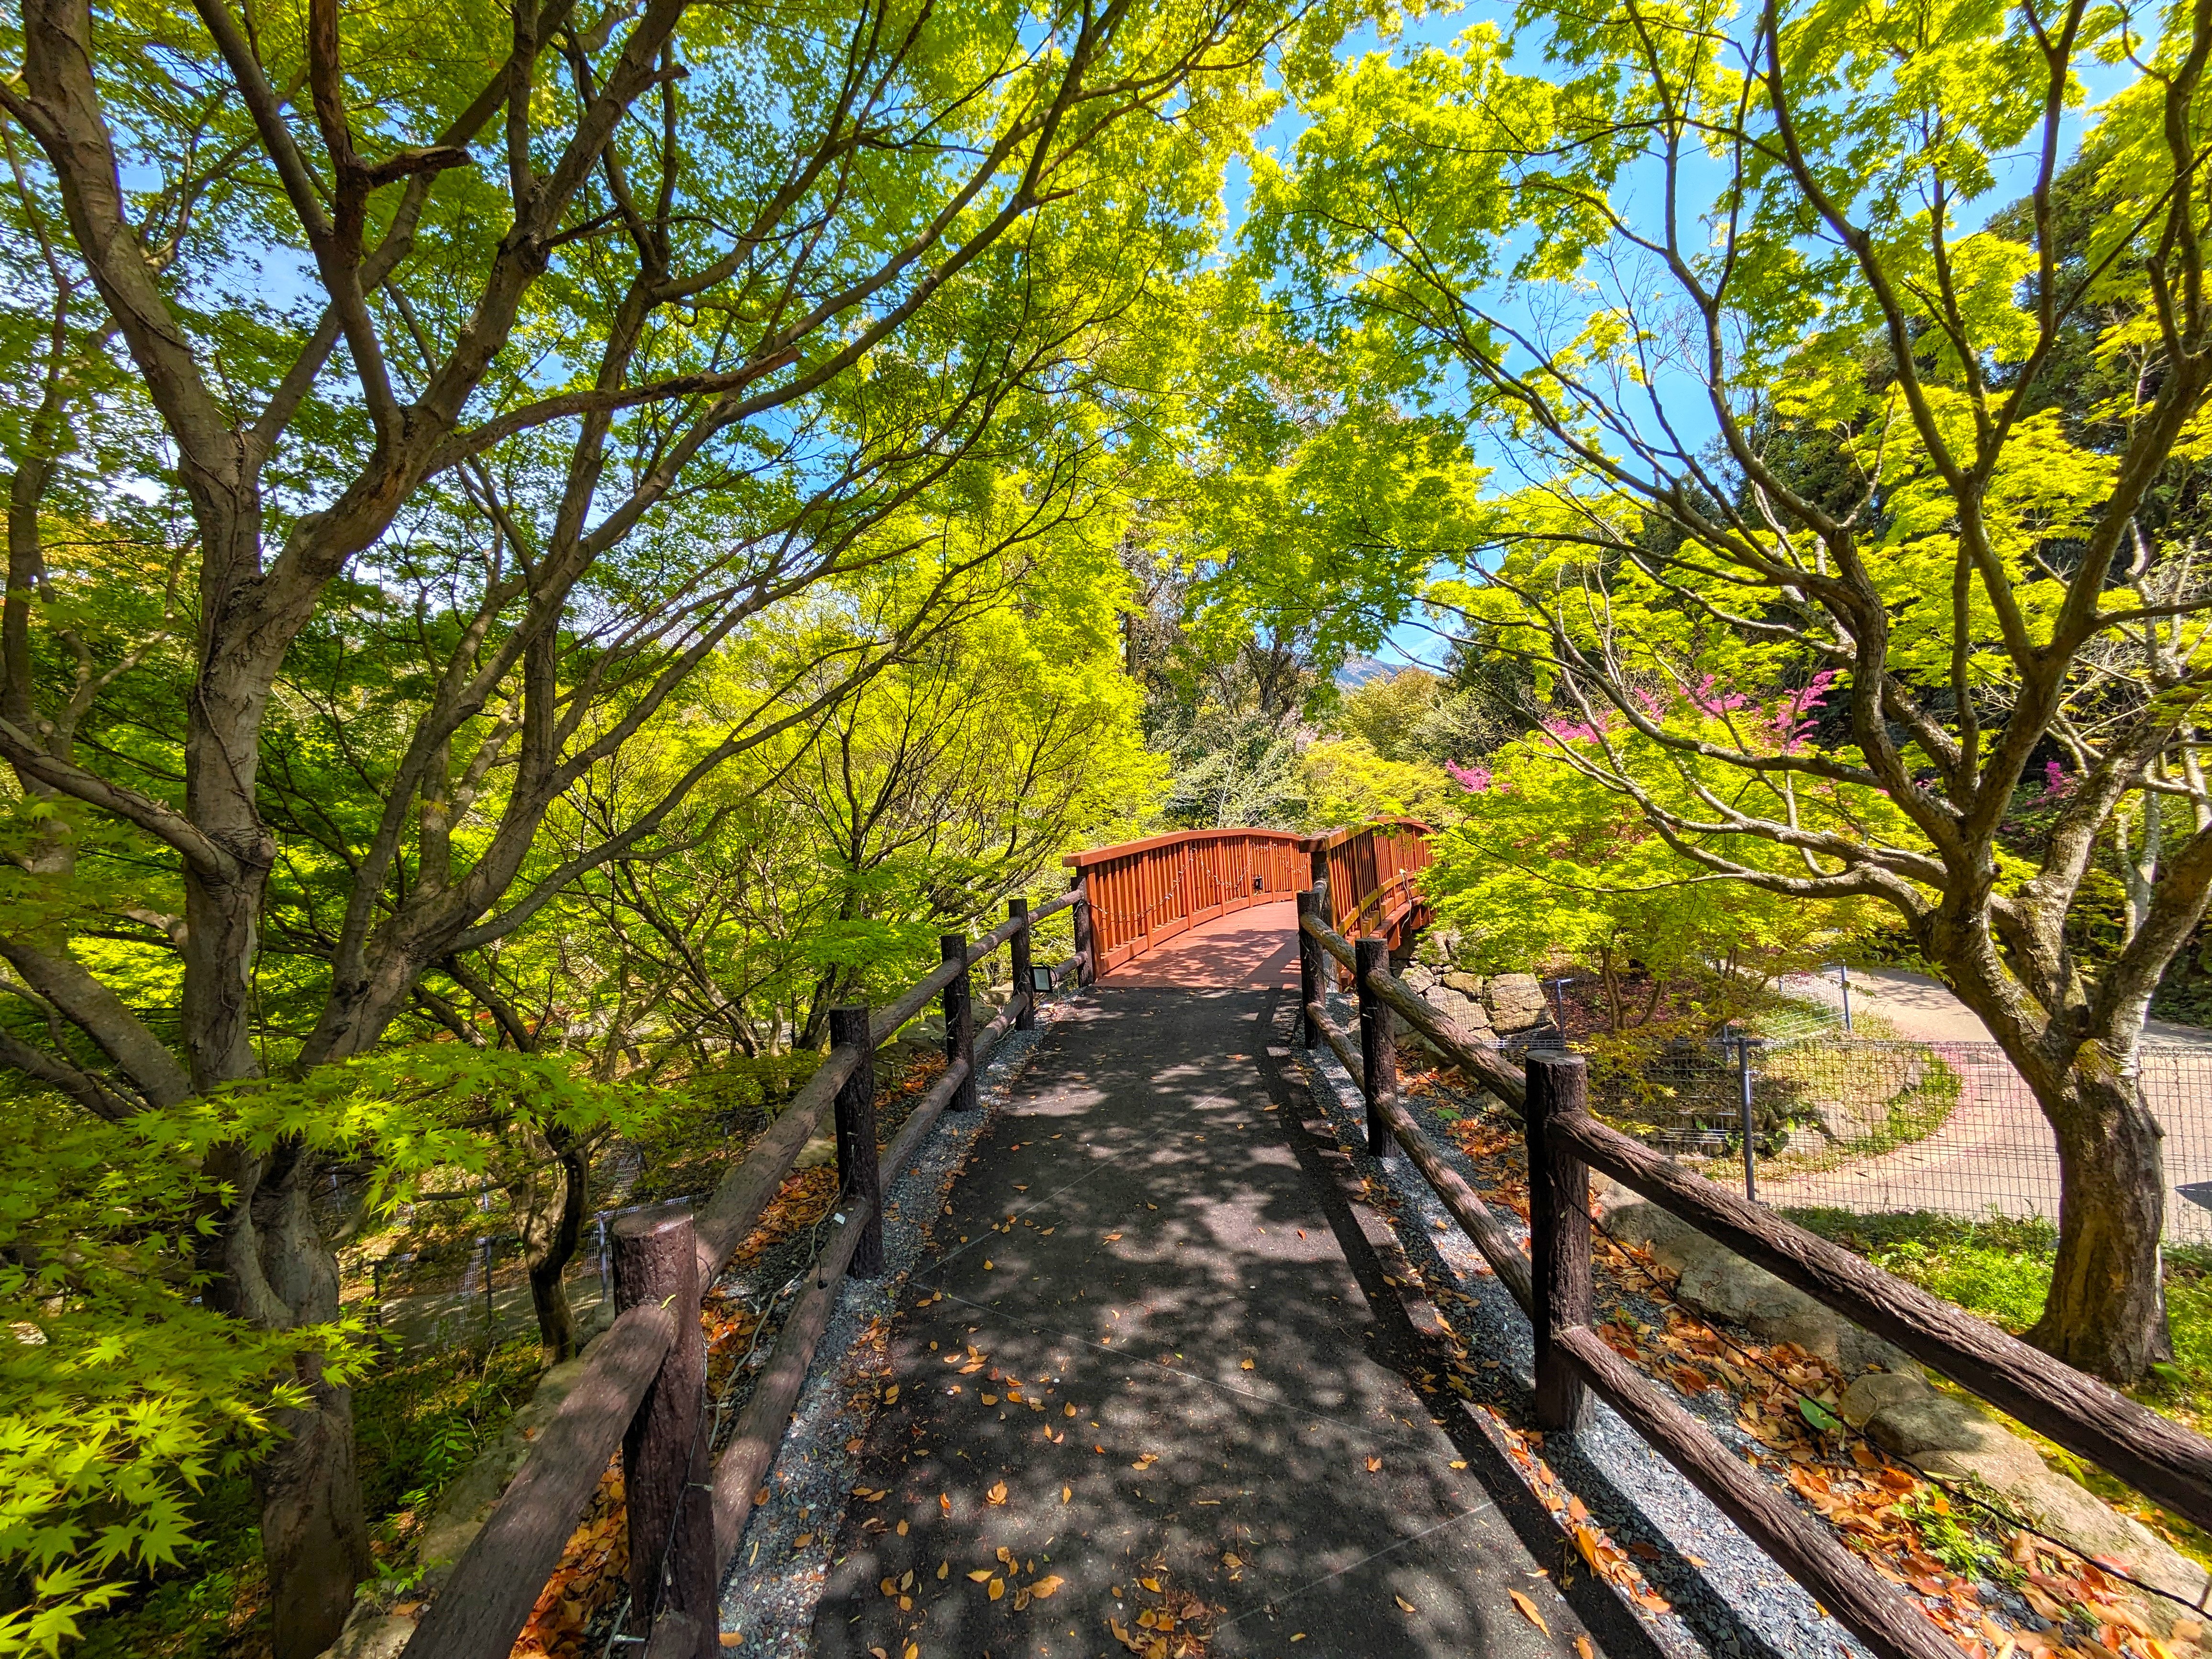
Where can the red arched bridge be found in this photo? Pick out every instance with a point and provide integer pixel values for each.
(1148, 895)
(1163, 1367)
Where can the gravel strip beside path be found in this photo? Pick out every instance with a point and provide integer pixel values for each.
(768, 1598)
(1725, 1589)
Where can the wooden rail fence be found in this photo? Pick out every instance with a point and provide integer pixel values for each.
(1551, 1283)
(644, 1385)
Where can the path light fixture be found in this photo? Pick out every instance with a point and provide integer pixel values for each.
(1744, 1043)
(1559, 1002)
(1040, 977)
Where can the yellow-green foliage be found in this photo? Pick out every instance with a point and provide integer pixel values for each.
(1551, 863)
(120, 1396)
(1345, 781)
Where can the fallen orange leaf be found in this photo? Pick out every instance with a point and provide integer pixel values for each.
(1528, 1611)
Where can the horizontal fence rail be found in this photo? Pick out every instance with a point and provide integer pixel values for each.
(644, 1383)
(1552, 1282)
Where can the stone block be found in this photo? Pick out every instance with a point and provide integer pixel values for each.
(1460, 1010)
(1517, 1002)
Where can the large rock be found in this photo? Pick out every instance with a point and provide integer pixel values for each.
(1721, 1285)
(1469, 985)
(377, 1636)
(1460, 1009)
(1418, 978)
(1877, 1391)
(1517, 1002)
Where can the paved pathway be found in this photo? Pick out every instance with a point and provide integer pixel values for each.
(1243, 949)
(1923, 1010)
(1143, 1353)
(1996, 1152)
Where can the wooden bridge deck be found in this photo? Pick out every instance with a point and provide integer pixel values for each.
(1246, 950)
(1153, 1343)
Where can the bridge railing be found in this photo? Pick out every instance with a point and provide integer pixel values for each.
(1144, 893)
(643, 1388)
(1551, 1281)
(1370, 873)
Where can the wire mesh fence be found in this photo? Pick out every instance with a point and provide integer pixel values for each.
(1872, 1126)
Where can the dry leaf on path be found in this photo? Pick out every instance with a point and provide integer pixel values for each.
(1403, 1603)
(997, 1494)
(1528, 1611)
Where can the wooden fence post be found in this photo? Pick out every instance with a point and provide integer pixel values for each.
(1309, 972)
(1086, 945)
(1378, 1043)
(856, 1137)
(959, 1023)
(1319, 860)
(1018, 958)
(1559, 1234)
(666, 1457)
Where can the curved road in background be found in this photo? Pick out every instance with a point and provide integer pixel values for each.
(1996, 1152)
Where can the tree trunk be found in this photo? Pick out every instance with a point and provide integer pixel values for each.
(275, 1270)
(550, 1235)
(311, 1533)
(2105, 1313)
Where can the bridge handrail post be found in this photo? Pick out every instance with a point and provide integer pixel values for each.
(959, 1023)
(1017, 910)
(1378, 1043)
(666, 1457)
(1559, 1235)
(1309, 973)
(1086, 947)
(858, 1175)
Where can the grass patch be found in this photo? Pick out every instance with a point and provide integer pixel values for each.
(1999, 1269)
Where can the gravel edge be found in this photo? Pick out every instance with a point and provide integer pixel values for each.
(1732, 1598)
(775, 1582)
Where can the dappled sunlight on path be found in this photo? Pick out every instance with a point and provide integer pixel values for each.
(1142, 1355)
(1246, 948)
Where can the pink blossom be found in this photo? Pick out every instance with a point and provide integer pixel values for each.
(1705, 698)
(2055, 781)
(1475, 780)
(1790, 722)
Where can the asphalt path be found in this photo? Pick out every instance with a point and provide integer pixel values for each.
(1141, 1378)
